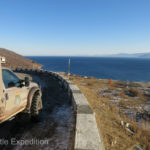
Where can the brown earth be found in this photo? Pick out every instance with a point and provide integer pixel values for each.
(14, 60)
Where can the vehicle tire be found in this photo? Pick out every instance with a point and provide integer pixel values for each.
(36, 101)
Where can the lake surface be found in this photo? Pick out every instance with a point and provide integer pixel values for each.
(132, 69)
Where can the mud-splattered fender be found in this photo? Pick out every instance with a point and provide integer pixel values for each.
(32, 91)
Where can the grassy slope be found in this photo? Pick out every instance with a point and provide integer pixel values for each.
(115, 136)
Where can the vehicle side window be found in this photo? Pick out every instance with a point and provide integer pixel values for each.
(9, 77)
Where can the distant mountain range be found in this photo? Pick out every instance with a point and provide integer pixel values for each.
(126, 55)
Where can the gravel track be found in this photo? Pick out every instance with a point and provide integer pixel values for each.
(55, 131)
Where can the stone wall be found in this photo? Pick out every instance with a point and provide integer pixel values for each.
(87, 136)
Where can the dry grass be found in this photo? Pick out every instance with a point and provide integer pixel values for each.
(109, 117)
(133, 92)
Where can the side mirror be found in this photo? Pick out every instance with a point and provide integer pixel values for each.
(11, 84)
(27, 81)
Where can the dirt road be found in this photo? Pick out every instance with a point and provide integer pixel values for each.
(55, 131)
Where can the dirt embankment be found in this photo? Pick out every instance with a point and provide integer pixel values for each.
(14, 60)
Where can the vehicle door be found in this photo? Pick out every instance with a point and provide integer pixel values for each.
(16, 98)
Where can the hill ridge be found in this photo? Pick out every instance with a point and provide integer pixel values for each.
(15, 60)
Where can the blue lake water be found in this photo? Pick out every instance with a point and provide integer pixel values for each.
(132, 69)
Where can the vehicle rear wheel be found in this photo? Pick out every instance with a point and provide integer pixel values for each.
(36, 102)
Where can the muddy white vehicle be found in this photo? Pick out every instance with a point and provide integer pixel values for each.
(17, 95)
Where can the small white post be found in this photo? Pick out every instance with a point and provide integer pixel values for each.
(69, 68)
(127, 84)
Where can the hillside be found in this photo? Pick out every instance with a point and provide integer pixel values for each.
(146, 55)
(14, 60)
(121, 110)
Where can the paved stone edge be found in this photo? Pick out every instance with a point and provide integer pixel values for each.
(87, 136)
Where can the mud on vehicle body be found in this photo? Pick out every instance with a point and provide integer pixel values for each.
(17, 95)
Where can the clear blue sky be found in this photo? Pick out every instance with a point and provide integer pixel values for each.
(75, 27)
